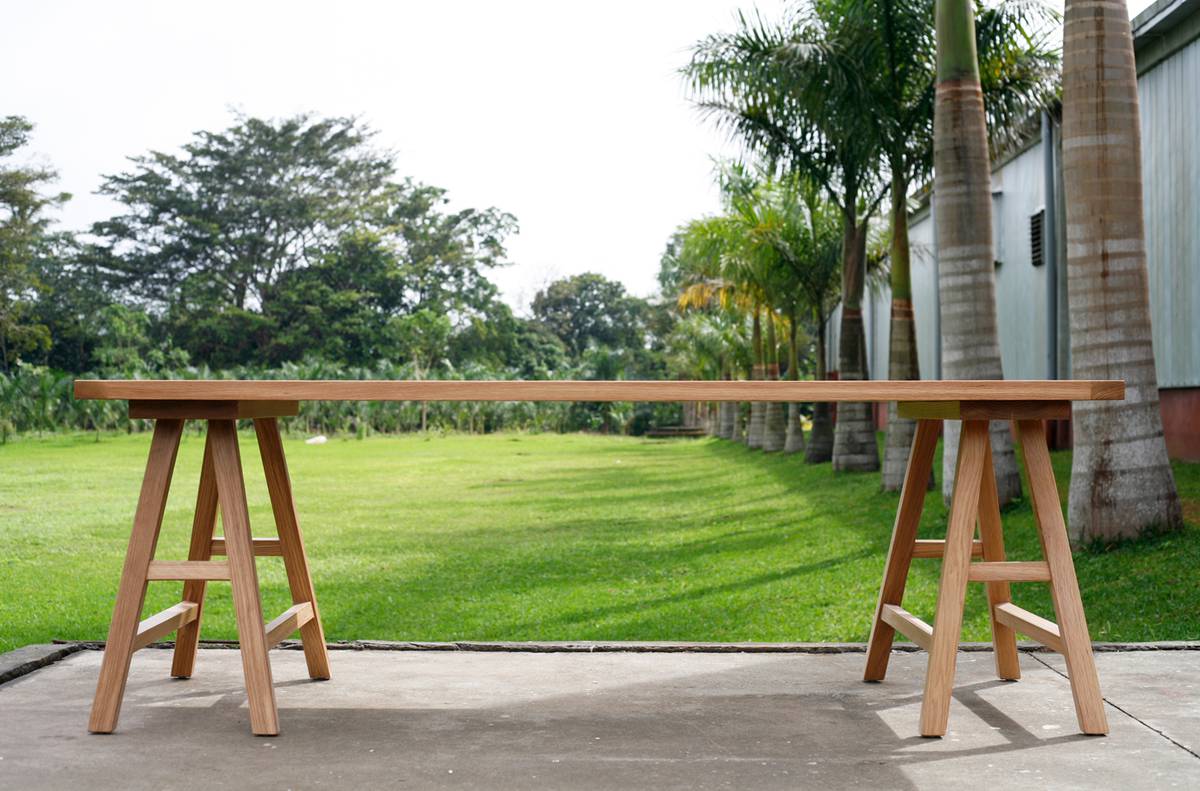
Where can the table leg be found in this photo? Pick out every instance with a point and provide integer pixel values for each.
(203, 524)
(131, 595)
(1064, 586)
(947, 624)
(235, 522)
(904, 534)
(291, 543)
(991, 534)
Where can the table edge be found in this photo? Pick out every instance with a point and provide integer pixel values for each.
(579, 390)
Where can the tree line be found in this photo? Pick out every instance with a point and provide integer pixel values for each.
(278, 247)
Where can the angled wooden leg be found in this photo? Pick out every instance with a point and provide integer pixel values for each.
(1064, 586)
(904, 536)
(991, 534)
(947, 624)
(243, 576)
(131, 595)
(203, 524)
(291, 543)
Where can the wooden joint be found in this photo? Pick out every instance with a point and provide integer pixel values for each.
(288, 622)
(985, 410)
(188, 570)
(1009, 571)
(936, 548)
(212, 410)
(162, 623)
(263, 547)
(1027, 623)
(907, 624)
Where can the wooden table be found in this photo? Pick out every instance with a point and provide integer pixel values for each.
(221, 403)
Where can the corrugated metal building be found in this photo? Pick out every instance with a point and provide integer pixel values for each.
(1029, 235)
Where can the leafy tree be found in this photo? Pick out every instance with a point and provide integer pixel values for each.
(222, 221)
(23, 239)
(499, 340)
(339, 308)
(279, 240)
(590, 310)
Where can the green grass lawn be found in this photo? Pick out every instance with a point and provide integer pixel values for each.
(542, 537)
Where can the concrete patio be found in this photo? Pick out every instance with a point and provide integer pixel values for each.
(499, 719)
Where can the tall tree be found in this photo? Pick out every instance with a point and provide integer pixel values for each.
(794, 100)
(898, 69)
(279, 239)
(23, 239)
(799, 234)
(590, 310)
(963, 218)
(235, 210)
(1121, 480)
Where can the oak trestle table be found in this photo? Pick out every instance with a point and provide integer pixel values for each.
(1028, 404)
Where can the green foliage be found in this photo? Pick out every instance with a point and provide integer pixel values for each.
(776, 246)
(589, 310)
(276, 241)
(23, 240)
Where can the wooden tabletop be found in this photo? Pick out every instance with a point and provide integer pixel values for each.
(431, 390)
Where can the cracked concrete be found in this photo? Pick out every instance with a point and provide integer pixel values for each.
(467, 719)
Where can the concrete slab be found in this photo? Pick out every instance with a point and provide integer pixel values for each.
(596, 720)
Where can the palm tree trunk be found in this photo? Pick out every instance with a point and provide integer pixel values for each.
(728, 410)
(794, 440)
(902, 350)
(963, 206)
(854, 444)
(754, 436)
(774, 420)
(1121, 481)
(820, 439)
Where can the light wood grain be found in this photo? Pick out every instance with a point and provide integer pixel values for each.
(947, 622)
(900, 552)
(375, 390)
(114, 667)
(204, 522)
(935, 547)
(1027, 623)
(263, 547)
(991, 534)
(162, 623)
(235, 523)
(291, 620)
(908, 625)
(1009, 571)
(291, 543)
(207, 570)
(1064, 587)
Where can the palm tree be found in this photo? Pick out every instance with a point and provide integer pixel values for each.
(707, 256)
(899, 71)
(963, 218)
(794, 100)
(1121, 481)
(803, 235)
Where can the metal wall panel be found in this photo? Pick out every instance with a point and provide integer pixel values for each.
(1170, 107)
(1170, 103)
(1017, 194)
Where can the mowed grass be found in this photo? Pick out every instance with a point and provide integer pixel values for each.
(542, 537)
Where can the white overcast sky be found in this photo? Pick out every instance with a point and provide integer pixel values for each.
(569, 115)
